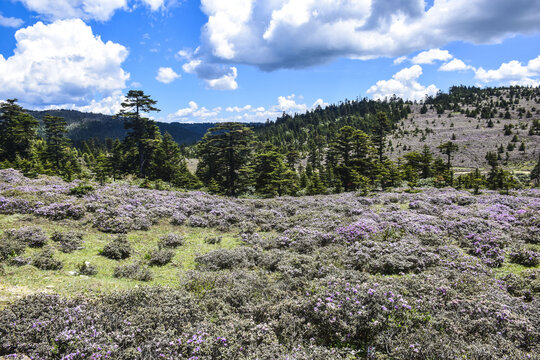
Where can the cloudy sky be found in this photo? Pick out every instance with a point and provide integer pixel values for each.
(249, 60)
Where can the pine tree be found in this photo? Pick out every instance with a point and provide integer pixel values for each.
(18, 130)
(144, 134)
(382, 127)
(224, 151)
(448, 148)
(57, 142)
(273, 177)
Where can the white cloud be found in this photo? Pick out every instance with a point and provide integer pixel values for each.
(10, 21)
(299, 33)
(512, 72)
(101, 10)
(403, 84)
(62, 63)
(216, 77)
(248, 113)
(319, 102)
(225, 82)
(399, 60)
(455, 65)
(109, 105)
(154, 4)
(430, 56)
(166, 75)
(288, 104)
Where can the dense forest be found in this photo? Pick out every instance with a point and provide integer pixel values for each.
(343, 147)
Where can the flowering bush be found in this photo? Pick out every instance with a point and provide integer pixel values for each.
(44, 260)
(118, 249)
(171, 240)
(68, 241)
(160, 257)
(32, 236)
(393, 276)
(525, 257)
(134, 271)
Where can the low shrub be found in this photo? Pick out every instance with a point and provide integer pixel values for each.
(69, 241)
(160, 257)
(44, 260)
(81, 189)
(242, 257)
(86, 268)
(525, 256)
(10, 247)
(198, 221)
(178, 218)
(59, 211)
(171, 240)
(134, 271)
(213, 240)
(118, 249)
(32, 236)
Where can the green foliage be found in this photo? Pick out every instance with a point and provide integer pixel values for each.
(81, 189)
(272, 176)
(224, 152)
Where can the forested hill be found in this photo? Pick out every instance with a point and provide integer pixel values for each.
(321, 125)
(84, 126)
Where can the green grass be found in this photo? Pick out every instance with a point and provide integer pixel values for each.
(21, 281)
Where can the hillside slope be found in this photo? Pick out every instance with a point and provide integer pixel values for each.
(84, 126)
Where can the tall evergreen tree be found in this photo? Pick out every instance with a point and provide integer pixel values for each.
(57, 142)
(144, 133)
(272, 176)
(224, 152)
(382, 126)
(448, 148)
(18, 130)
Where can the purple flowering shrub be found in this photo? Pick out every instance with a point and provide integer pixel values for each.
(525, 256)
(392, 276)
(171, 240)
(135, 271)
(160, 257)
(59, 211)
(68, 241)
(117, 249)
(45, 260)
(390, 257)
(32, 236)
(488, 247)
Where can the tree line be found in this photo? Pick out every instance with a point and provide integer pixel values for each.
(341, 148)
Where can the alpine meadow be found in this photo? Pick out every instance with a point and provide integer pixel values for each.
(288, 179)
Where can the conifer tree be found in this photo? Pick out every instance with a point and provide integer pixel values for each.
(57, 142)
(18, 130)
(224, 152)
(144, 133)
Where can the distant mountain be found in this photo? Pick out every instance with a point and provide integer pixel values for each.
(84, 126)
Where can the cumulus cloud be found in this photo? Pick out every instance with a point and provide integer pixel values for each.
(513, 73)
(300, 33)
(109, 105)
(154, 4)
(10, 21)
(455, 65)
(166, 75)
(101, 10)
(62, 63)
(216, 76)
(430, 56)
(403, 84)
(399, 60)
(247, 113)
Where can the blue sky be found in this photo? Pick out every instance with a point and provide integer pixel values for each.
(249, 60)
